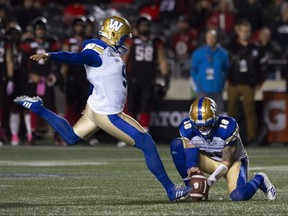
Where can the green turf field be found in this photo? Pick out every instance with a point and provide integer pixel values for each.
(105, 180)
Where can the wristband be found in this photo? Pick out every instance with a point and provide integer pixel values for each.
(217, 174)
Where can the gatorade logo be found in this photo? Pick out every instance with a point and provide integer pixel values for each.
(115, 25)
(274, 115)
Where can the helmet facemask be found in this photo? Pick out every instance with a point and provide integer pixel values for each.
(205, 129)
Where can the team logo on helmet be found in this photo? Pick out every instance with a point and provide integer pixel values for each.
(115, 25)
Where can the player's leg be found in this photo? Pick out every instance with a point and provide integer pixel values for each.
(267, 187)
(240, 188)
(14, 124)
(130, 131)
(132, 104)
(14, 118)
(250, 112)
(30, 119)
(145, 105)
(233, 100)
(58, 123)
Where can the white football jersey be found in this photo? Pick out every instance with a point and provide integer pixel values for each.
(109, 80)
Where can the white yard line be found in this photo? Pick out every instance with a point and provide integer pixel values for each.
(50, 163)
(270, 168)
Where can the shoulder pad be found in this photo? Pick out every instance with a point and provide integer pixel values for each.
(228, 128)
(96, 45)
(186, 129)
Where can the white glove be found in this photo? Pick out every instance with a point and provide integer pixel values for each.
(10, 87)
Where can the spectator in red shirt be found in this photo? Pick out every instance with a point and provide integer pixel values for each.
(223, 18)
(183, 43)
(72, 11)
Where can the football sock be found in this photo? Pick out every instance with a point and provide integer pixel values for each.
(14, 122)
(246, 192)
(60, 125)
(179, 158)
(153, 161)
(144, 142)
(27, 120)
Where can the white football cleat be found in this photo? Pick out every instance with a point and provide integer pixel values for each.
(267, 187)
(31, 103)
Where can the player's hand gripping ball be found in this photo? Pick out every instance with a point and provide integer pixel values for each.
(200, 187)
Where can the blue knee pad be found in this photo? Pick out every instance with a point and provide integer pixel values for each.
(145, 142)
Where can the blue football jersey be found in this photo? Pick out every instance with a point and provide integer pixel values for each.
(225, 132)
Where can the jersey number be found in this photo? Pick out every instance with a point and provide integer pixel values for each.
(187, 125)
(224, 123)
(144, 53)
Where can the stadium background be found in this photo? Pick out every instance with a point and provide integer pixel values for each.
(168, 111)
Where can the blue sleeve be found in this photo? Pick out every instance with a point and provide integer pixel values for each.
(87, 56)
(185, 129)
(192, 157)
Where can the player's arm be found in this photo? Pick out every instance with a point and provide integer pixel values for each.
(163, 65)
(191, 151)
(87, 56)
(228, 154)
(9, 62)
(192, 157)
(227, 157)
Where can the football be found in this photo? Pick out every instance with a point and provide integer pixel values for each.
(200, 187)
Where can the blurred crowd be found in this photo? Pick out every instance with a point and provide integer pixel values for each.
(208, 41)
